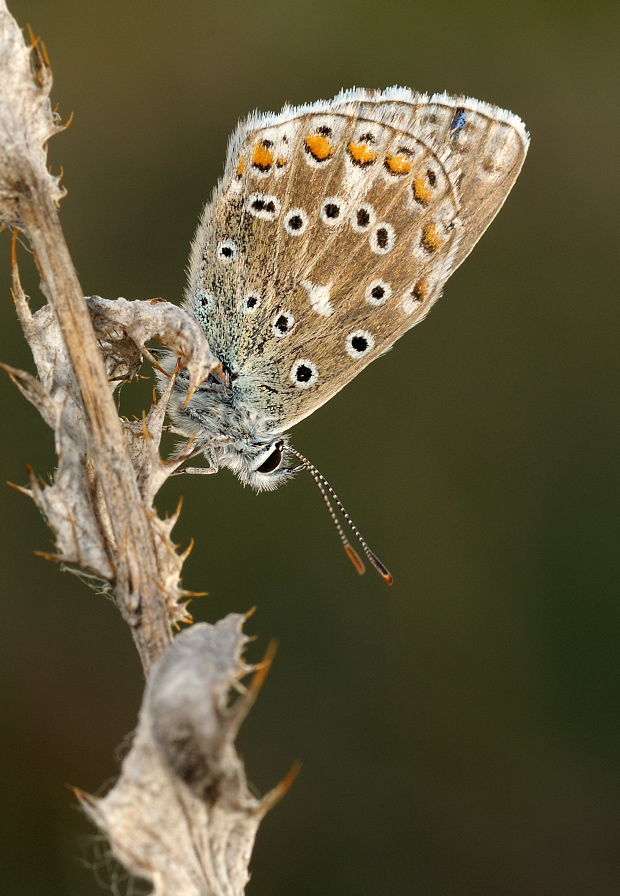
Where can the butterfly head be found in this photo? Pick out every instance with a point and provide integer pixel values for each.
(262, 465)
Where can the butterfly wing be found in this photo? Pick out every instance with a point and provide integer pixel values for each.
(333, 231)
(488, 146)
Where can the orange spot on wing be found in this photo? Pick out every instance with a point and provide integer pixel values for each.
(420, 290)
(281, 161)
(240, 166)
(262, 157)
(431, 241)
(318, 146)
(421, 189)
(361, 153)
(398, 164)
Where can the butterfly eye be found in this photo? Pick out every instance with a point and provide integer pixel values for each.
(273, 460)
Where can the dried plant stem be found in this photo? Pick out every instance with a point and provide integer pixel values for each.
(137, 593)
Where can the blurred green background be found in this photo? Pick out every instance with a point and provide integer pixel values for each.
(460, 731)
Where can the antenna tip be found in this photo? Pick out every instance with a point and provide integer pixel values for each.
(383, 571)
(355, 559)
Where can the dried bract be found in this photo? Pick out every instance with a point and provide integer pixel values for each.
(26, 119)
(180, 814)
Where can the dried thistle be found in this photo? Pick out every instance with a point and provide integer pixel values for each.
(180, 815)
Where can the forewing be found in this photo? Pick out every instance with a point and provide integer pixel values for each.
(333, 232)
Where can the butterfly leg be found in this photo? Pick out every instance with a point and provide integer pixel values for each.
(201, 471)
(197, 470)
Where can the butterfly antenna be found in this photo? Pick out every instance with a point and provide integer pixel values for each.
(325, 487)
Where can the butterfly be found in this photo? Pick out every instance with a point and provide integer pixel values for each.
(332, 233)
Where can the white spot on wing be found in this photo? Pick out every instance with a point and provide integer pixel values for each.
(226, 251)
(251, 302)
(378, 292)
(263, 205)
(296, 222)
(319, 297)
(359, 343)
(282, 324)
(304, 373)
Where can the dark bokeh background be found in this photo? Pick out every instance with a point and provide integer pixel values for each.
(460, 731)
